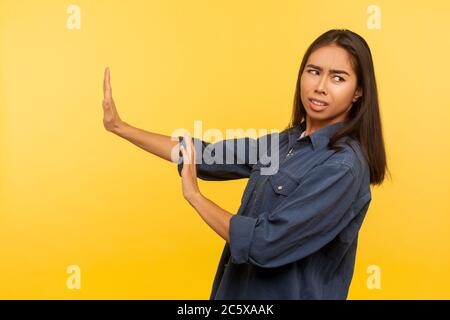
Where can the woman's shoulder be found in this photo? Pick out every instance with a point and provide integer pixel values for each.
(349, 154)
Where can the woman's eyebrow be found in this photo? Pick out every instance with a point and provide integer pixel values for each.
(331, 70)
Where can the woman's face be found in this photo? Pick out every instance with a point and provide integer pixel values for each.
(329, 77)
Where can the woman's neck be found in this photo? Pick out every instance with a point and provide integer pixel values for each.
(312, 125)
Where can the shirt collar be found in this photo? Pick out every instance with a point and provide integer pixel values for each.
(318, 138)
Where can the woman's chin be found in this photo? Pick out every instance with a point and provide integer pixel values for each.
(314, 115)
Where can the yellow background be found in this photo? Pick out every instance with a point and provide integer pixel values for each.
(73, 194)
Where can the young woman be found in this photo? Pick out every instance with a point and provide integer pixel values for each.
(295, 234)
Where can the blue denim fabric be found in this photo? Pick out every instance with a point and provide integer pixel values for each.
(295, 234)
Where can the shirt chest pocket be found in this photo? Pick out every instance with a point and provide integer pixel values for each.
(282, 183)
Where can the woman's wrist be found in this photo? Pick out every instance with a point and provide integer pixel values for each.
(121, 128)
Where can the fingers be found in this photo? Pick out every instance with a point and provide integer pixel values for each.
(107, 94)
(193, 150)
(194, 157)
(189, 151)
(188, 144)
(187, 148)
(185, 156)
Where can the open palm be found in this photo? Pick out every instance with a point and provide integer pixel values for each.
(111, 119)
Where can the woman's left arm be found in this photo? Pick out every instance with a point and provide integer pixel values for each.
(216, 217)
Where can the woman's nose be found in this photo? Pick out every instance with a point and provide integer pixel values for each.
(321, 84)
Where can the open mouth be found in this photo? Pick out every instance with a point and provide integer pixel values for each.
(317, 105)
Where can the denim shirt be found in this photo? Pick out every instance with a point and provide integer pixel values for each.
(295, 233)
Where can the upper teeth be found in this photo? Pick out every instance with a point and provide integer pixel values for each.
(317, 102)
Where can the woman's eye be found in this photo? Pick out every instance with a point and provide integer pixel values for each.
(340, 79)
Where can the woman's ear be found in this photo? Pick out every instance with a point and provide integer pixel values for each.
(358, 94)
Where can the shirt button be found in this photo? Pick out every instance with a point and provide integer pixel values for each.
(280, 187)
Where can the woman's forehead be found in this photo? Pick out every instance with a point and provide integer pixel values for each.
(331, 58)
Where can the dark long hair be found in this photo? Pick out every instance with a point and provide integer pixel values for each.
(364, 122)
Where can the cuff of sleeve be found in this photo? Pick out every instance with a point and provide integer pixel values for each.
(241, 234)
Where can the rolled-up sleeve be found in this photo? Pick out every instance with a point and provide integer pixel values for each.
(309, 218)
(225, 159)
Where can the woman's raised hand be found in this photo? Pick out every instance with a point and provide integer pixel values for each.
(111, 119)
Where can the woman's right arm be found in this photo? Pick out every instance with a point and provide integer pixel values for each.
(160, 145)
